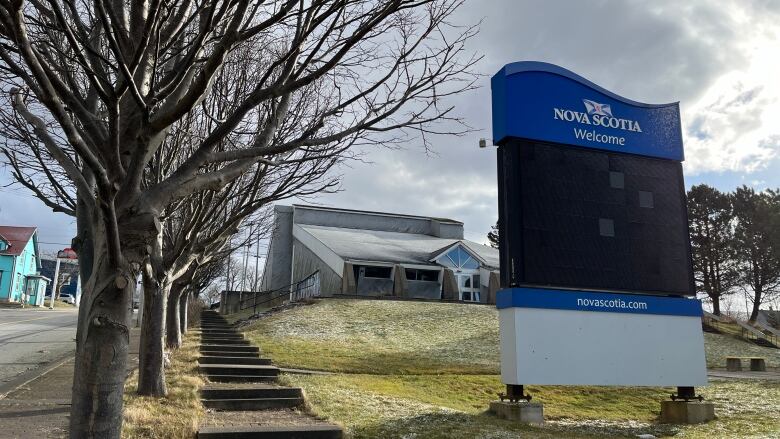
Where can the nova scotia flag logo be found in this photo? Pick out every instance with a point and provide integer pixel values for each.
(596, 108)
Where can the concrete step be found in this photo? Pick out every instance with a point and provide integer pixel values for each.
(222, 334)
(216, 392)
(324, 431)
(233, 336)
(252, 404)
(228, 348)
(239, 369)
(221, 378)
(233, 354)
(233, 360)
(226, 341)
(217, 332)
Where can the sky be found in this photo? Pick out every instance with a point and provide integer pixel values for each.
(720, 60)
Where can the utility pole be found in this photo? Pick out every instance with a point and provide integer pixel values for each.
(256, 283)
(56, 282)
(246, 260)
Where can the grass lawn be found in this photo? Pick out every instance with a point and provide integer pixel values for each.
(178, 415)
(448, 406)
(429, 370)
(382, 337)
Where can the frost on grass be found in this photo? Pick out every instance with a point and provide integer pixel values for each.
(437, 332)
(720, 346)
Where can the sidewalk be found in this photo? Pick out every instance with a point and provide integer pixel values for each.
(40, 408)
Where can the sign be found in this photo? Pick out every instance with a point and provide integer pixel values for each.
(540, 298)
(594, 245)
(540, 101)
(581, 338)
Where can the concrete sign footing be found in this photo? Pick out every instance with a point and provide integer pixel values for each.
(687, 412)
(525, 412)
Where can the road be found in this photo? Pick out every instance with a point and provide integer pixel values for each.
(31, 338)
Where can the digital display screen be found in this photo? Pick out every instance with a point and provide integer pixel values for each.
(588, 219)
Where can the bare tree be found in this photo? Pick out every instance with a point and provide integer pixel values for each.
(101, 85)
(200, 226)
(202, 280)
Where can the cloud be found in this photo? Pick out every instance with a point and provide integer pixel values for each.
(654, 52)
(719, 59)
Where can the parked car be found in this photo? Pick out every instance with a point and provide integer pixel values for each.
(67, 298)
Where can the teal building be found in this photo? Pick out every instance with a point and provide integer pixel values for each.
(20, 266)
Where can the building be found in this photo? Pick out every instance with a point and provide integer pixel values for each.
(68, 273)
(358, 253)
(20, 266)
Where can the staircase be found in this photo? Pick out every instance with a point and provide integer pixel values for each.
(706, 327)
(226, 357)
(764, 342)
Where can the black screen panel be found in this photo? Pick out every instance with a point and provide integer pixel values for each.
(579, 218)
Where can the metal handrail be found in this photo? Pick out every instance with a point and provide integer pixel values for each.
(309, 285)
(756, 333)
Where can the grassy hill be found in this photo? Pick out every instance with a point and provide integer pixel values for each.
(429, 370)
(387, 337)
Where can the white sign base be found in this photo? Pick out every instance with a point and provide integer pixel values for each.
(569, 347)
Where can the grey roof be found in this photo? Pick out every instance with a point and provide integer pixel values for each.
(486, 252)
(371, 212)
(393, 247)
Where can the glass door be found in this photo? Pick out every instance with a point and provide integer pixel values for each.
(468, 286)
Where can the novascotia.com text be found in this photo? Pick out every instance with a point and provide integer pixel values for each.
(613, 303)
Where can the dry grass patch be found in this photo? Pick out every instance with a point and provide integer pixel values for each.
(176, 416)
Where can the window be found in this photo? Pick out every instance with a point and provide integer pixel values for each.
(376, 272)
(459, 258)
(617, 180)
(606, 227)
(31, 286)
(423, 275)
(646, 199)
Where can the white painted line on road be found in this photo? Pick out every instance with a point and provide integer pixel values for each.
(27, 320)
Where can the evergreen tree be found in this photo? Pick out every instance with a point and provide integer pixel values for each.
(757, 244)
(492, 236)
(711, 226)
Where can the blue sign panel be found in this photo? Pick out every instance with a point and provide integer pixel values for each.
(541, 101)
(596, 301)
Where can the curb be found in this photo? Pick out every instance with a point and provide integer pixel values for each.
(33, 374)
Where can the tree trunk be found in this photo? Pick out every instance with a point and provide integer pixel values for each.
(151, 373)
(716, 305)
(102, 345)
(173, 325)
(184, 309)
(756, 305)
